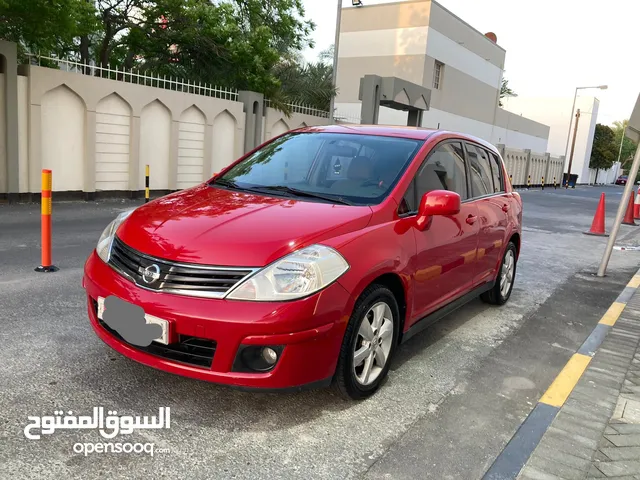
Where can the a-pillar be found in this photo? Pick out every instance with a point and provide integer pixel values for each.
(254, 111)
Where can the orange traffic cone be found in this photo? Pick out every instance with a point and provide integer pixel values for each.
(597, 227)
(628, 216)
(636, 206)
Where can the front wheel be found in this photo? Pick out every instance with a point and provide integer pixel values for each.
(369, 343)
(503, 286)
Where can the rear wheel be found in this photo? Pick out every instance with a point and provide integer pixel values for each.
(369, 343)
(501, 291)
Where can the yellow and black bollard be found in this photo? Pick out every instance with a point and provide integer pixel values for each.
(543, 183)
(555, 185)
(146, 183)
(529, 182)
(511, 180)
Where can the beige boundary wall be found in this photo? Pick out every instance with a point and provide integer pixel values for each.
(97, 134)
(522, 164)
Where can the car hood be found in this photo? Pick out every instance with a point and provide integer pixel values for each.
(215, 226)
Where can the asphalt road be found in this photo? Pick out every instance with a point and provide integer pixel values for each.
(454, 397)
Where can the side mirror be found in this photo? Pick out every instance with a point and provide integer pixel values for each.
(436, 202)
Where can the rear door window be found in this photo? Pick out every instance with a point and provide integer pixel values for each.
(480, 171)
(497, 172)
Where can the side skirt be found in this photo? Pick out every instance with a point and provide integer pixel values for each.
(430, 319)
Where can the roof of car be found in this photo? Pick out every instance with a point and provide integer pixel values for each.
(416, 133)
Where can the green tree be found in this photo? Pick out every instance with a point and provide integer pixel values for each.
(505, 91)
(603, 151)
(51, 27)
(628, 146)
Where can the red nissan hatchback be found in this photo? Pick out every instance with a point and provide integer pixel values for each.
(309, 260)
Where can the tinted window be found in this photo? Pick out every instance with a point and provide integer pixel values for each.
(443, 170)
(496, 170)
(359, 169)
(480, 171)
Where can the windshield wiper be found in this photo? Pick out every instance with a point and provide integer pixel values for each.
(226, 183)
(299, 193)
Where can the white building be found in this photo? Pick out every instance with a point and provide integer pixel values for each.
(422, 42)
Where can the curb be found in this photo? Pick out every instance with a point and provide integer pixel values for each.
(517, 452)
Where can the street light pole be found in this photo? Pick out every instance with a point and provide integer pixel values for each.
(336, 45)
(573, 147)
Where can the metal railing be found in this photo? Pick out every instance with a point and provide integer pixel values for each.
(339, 118)
(303, 109)
(139, 78)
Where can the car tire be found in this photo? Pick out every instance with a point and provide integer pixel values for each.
(500, 292)
(365, 347)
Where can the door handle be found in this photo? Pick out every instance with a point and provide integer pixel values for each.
(471, 219)
(505, 208)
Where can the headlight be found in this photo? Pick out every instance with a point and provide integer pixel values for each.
(297, 275)
(106, 239)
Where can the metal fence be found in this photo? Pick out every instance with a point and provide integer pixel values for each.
(137, 77)
(303, 109)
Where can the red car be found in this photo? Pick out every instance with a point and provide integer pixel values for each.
(309, 260)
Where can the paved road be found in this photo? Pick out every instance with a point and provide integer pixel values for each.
(454, 397)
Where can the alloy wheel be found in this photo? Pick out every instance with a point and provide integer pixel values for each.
(508, 269)
(373, 343)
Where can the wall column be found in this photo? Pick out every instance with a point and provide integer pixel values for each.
(527, 170)
(371, 91)
(253, 106)
(35, 148)
(134, 154)
(90, 156)
(173, 155)
(207, 164)
(414, 118)
(8, 50)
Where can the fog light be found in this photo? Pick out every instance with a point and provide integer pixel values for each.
(257, 358)
(270, 356)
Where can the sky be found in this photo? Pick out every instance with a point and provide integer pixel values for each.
(553, 46)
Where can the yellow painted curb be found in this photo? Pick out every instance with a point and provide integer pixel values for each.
(566, 380)
(634, 282)
(612, 314)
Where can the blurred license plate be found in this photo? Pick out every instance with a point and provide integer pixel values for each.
(164, 339)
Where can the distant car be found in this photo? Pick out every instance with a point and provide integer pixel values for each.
(310, 259)
(622, 180)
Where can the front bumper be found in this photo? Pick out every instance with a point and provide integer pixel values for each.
(310, 330)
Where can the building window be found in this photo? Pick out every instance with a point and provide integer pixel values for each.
(437, 75)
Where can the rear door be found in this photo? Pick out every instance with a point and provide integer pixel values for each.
(444, 265)
(488, 193)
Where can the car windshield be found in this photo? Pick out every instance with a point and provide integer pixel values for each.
(328, 167)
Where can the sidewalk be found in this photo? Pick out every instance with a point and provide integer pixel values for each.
(596, 433)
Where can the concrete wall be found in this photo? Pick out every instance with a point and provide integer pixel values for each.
(98, 134)
(524, 166)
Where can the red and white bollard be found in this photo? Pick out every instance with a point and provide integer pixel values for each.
(636, 206)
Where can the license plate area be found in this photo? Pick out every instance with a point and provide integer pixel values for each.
(149, 319)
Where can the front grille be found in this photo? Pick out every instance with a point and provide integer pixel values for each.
(194, 351)
(173, 277)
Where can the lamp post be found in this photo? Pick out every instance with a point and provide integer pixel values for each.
(573, 108)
